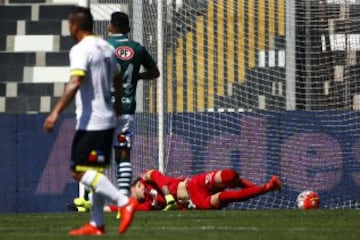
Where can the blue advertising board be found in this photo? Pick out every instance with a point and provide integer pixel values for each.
(34, 166)
(308, 150)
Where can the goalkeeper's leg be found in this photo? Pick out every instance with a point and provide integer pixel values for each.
(223, 198)
(229, 178)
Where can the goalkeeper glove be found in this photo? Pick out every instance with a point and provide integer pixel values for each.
(170, 203)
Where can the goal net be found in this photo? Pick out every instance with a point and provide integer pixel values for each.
(267, 87)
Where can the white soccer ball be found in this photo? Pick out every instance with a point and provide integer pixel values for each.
(308, 200)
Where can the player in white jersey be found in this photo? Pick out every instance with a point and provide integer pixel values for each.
(94, 110)
(131, 56)
(93, 71)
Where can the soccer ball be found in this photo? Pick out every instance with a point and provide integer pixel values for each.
(308, 200)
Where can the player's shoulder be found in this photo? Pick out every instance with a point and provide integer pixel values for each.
(77, 49)
(140, 47)
(84, 44)
(134, 44)
(146, 175)
(97, 40)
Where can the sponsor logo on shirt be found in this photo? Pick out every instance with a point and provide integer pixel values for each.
(96, 156)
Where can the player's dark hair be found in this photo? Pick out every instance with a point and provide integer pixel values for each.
(135, 181)
(82, 17)
(120, 21)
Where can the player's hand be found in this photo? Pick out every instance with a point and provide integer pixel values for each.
(170, 203)
(49, 123)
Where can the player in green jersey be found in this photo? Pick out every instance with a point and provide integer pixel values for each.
(131, 56)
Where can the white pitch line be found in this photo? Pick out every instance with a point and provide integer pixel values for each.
(252, 229)
(199, 228)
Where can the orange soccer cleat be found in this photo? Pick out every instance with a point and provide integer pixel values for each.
(87, 229)
(274, 184)
(127, 213)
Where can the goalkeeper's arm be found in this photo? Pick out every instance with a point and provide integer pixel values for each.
(161, 181)
(169, 198)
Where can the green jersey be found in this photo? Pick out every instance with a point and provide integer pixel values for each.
(130, 55)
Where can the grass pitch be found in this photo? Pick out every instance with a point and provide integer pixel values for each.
(191, 225)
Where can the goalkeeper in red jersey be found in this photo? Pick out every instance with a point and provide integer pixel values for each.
(208, 190)
(148, 193)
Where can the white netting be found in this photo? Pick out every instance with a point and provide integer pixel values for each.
(263, 86)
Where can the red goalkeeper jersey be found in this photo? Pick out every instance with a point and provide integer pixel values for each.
(154, 200)
(160, 180)
(199, 188)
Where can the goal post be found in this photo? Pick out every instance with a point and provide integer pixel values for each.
(160, 87)
(290, 57)
(267, 87)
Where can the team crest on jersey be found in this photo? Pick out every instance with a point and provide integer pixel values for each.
(96, 156)
(124, 53)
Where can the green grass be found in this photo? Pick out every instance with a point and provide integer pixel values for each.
(191, 225)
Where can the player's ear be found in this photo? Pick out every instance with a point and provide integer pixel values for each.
(109, 28)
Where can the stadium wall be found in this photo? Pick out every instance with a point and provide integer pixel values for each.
(298, 146)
